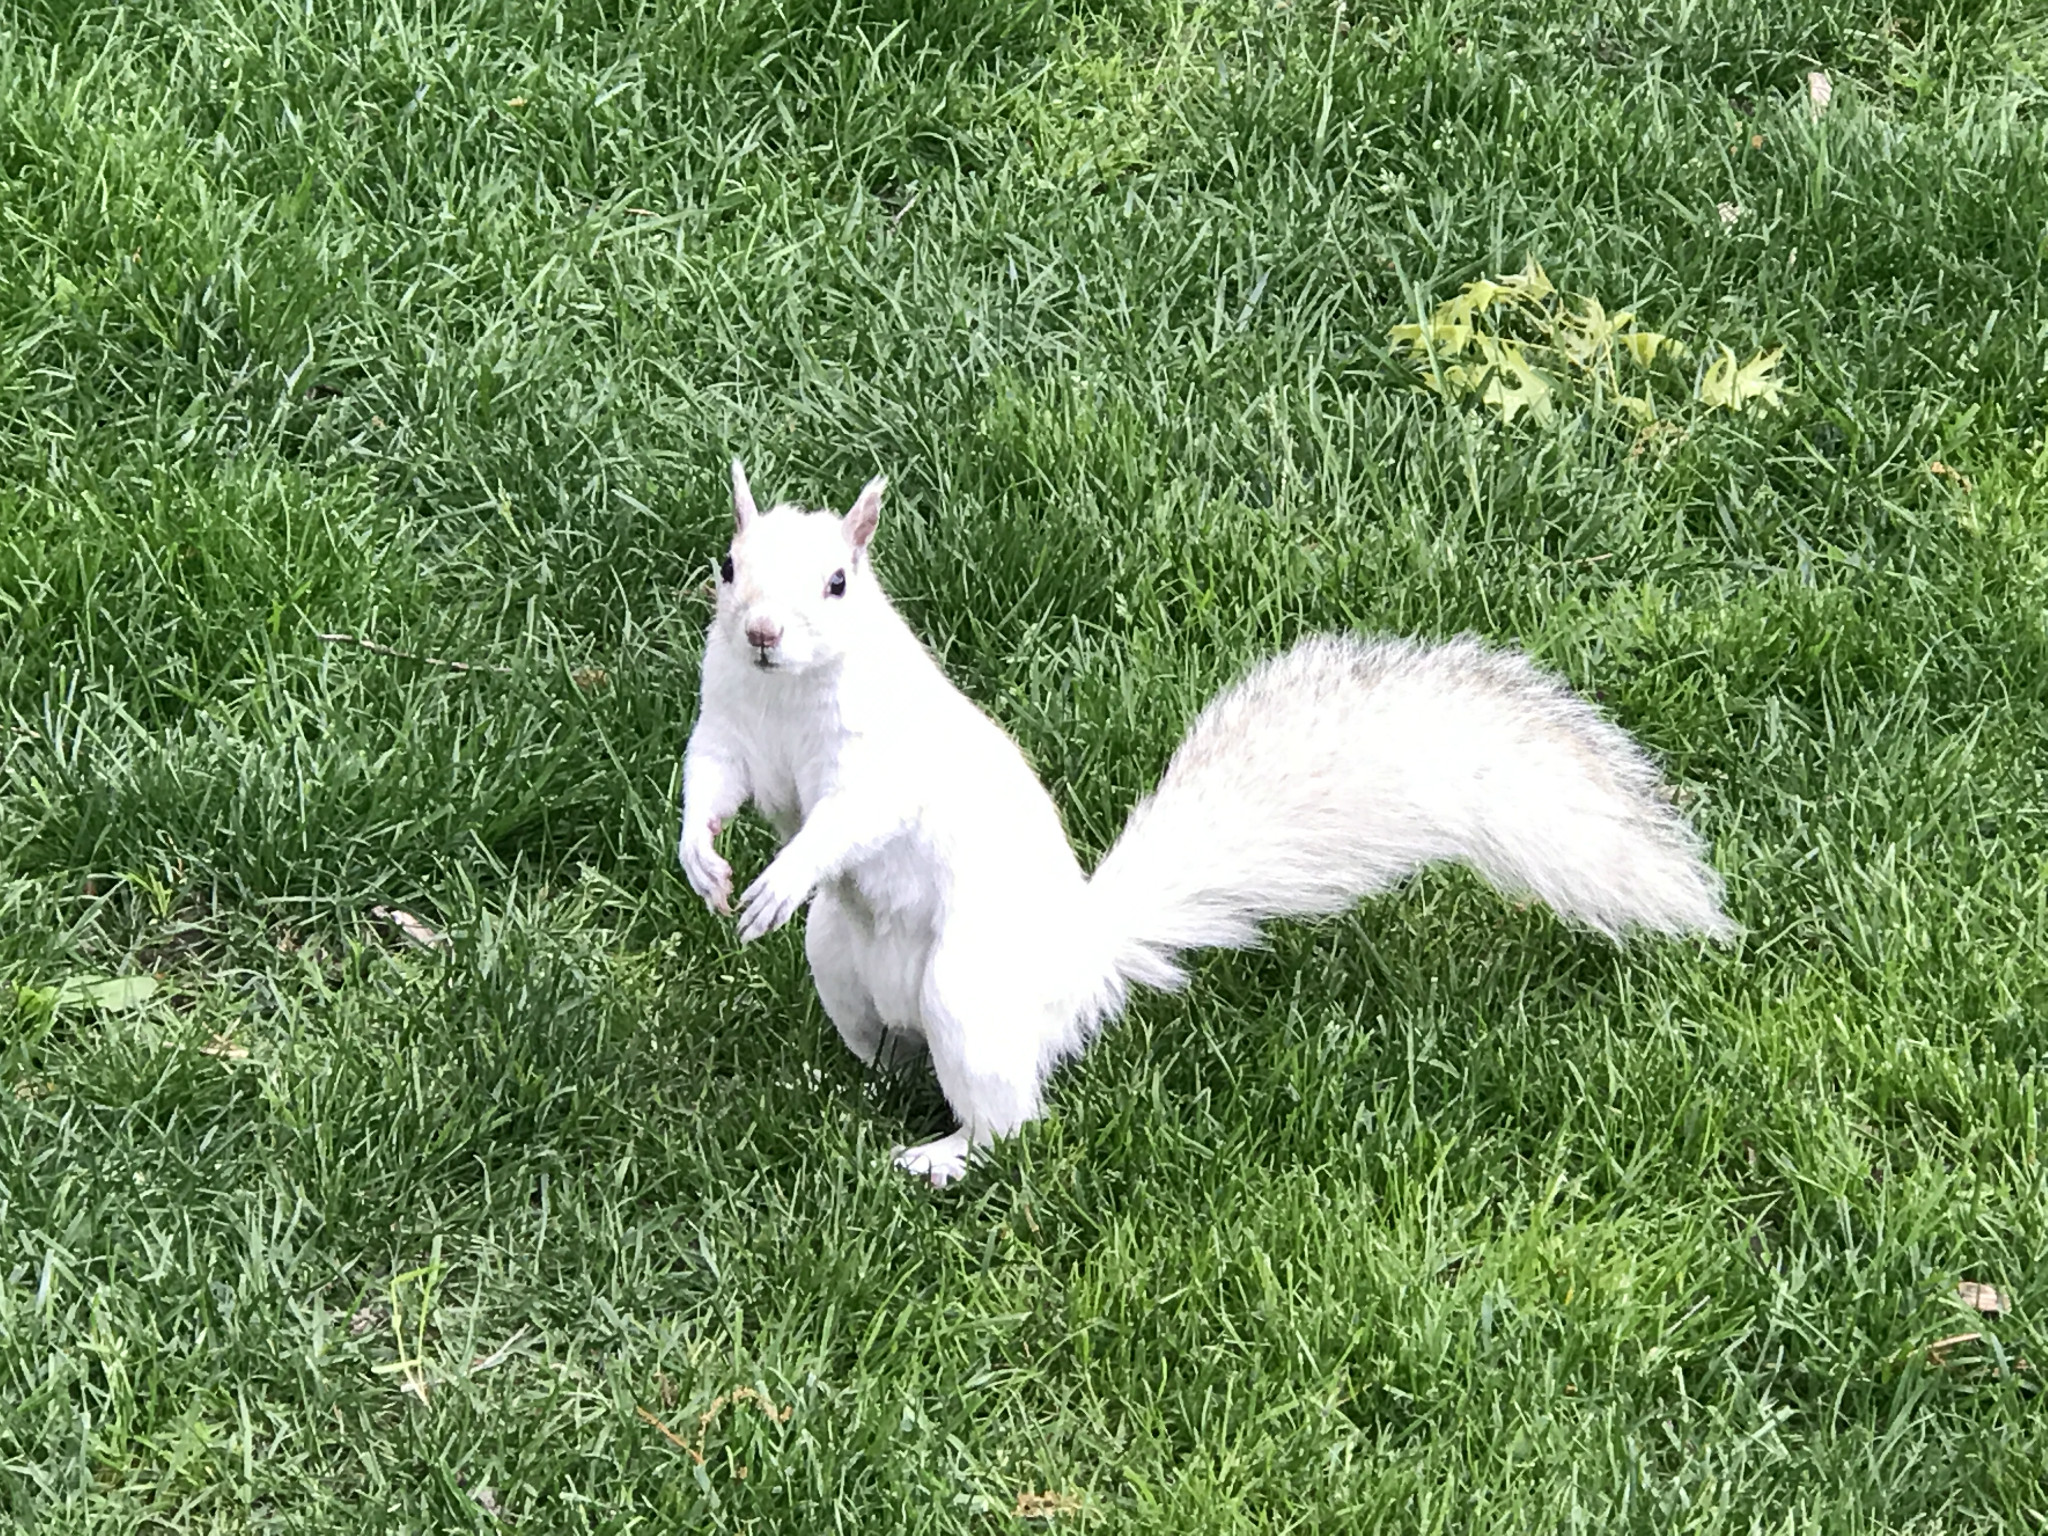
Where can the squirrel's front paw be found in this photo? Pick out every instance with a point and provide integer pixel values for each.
(772, 900)
(708, 874)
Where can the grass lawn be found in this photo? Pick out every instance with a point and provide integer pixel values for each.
(434, 326)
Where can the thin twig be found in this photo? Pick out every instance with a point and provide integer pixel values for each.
(432, 661)
(1937, 1352)
(671, 1436)
(499, 1355)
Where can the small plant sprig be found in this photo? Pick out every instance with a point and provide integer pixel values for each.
(1517, 344)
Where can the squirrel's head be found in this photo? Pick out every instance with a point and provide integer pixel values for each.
(796, 585)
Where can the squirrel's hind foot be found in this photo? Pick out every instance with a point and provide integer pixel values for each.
(940, 1161)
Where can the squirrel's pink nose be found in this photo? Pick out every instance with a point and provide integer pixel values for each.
(763, 635)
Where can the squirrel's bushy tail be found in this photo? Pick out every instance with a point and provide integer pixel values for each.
(1342, 766)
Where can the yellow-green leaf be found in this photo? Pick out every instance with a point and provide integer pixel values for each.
(113, 993)
(1530, 282)
(1518, 345)
(1728, 386)
(1644, 346)
(1442, 337)
(1515, 386)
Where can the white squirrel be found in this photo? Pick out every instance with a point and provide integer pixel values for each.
(948, 911)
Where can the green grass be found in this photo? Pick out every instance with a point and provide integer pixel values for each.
(435, 326)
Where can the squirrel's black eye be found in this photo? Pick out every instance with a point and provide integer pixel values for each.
(836, 587)
(725, 570)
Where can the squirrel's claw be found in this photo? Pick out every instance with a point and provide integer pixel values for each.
(770, 902)
(708, 874)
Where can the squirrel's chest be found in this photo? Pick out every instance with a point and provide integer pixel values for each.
(789, 773)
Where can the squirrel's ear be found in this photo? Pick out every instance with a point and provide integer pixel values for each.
(866, 513)
(742, 497)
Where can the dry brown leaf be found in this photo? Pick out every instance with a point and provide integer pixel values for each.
(591, 679)
(1657, 440)
(1046, 1506)
(417, 932)
(226, 1049)
(1942, 471)
(1987, 1299)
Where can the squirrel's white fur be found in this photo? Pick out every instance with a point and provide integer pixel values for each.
(947, 909)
